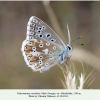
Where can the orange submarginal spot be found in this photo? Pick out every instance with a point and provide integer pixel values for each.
(37, 66)
(30, 55)
(32, 60)
(33, 43)
(28, 49)
(38, 40)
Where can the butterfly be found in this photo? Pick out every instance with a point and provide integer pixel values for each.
(42, 47)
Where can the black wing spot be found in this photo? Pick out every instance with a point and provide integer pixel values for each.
(46, 64)
(41, 35)
(31, 33)
(37, 55)
(41, 57)
(52, 40)
(39, 31)
(39, 28)
(32, 24)
(35, 21)
(30, 37)
(50, 53)
(43, 27)
(48, 35)
(34, 48)
(40, 45)
(54, 47)
(50, 57)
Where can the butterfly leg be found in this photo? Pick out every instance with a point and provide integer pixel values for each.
(61, 58)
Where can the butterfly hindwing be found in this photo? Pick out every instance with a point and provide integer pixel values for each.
(40, 56)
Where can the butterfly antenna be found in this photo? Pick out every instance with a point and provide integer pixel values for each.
(76, 39)
(69, 38)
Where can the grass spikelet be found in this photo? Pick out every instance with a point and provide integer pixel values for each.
(74, 81)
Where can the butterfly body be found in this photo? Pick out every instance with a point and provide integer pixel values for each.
(42, 47)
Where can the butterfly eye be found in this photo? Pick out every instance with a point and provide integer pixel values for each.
(69, 48)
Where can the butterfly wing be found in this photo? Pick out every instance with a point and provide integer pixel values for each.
(42, 46)
(39, 56)
(37, 29)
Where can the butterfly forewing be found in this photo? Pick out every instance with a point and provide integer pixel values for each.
(36, 28)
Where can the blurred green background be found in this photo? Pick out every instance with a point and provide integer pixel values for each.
(83, 18)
